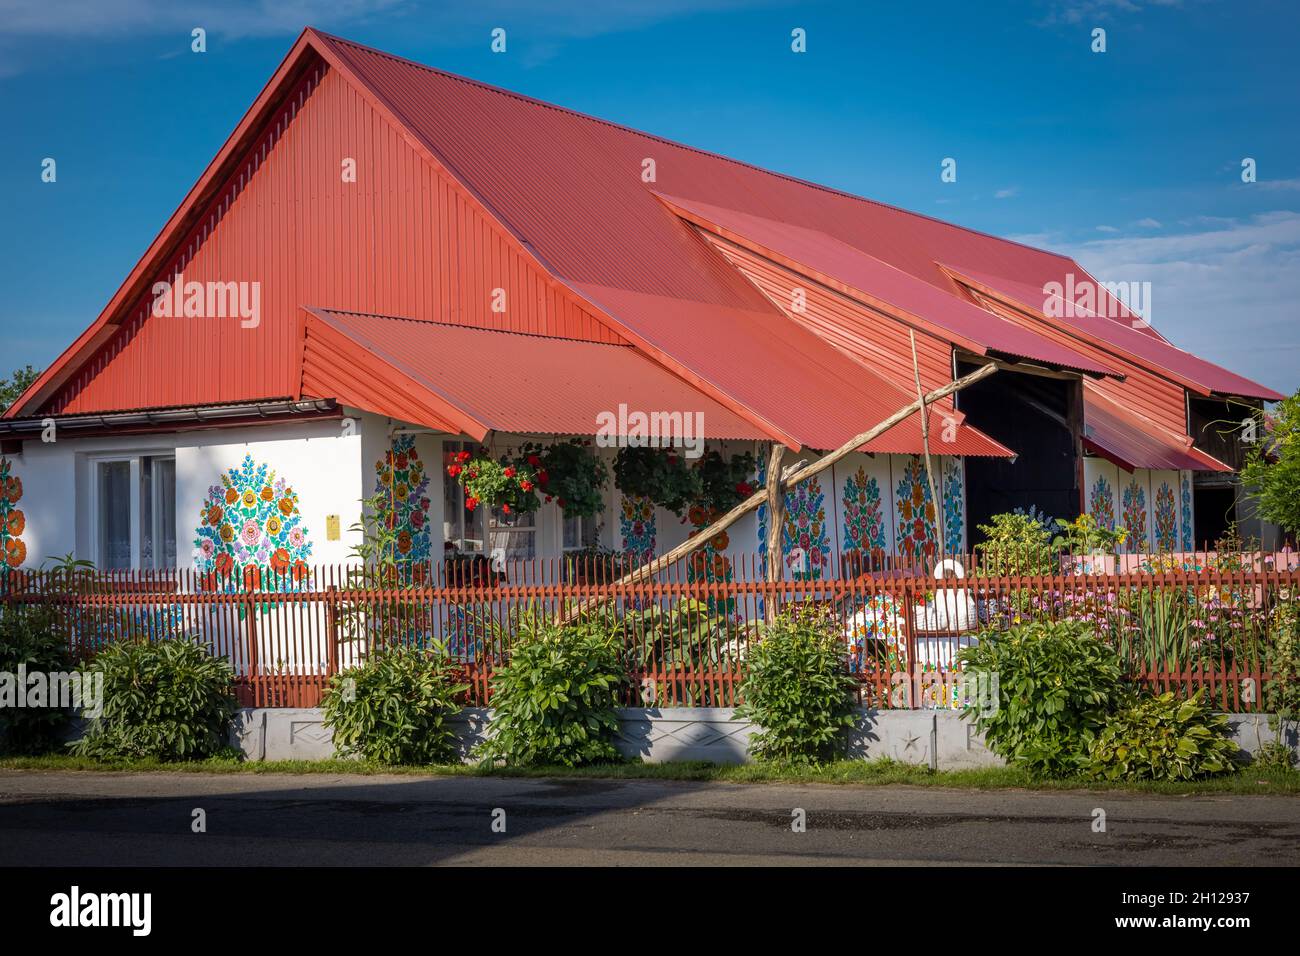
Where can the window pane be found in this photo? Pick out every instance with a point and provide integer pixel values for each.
(460, 526)
(114, 514)
(164, 512)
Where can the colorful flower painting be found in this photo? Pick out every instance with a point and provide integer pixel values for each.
(1101, 503)
(403, 483)
(1187, 511)
(636, 524)
(1166, 515)
(916, 537)
(710, 562)
(251, 534)
(804, 527)
(1135, 516)
(864, 519)
(13, 552)
(954, 511)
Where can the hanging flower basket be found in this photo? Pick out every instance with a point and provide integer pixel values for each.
(495, 483)
(568, 473)
(662, 475)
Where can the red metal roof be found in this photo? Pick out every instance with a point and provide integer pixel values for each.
(477, 380)
(1127, 338)
(827, 260)
(1134, 442)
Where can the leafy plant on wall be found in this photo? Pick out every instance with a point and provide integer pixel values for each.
(804, 527)
(1101, 503)
(401, 487)
(864, 519)
(1187, 511)
(12, 521)
(916, 536)
(1135, 514)
(251, 534)
(953, 516)
(637, 526)
(1166, 518)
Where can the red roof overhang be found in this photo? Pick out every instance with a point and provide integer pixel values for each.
(1131, 441)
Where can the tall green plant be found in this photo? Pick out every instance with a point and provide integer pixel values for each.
(170, 700)
(396, 708)
(1056, 683)
(798, 689)
(1016, 543)
(1272, 470)
(31, 639)
(554, 701)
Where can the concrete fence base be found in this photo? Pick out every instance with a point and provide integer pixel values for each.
(936, 738)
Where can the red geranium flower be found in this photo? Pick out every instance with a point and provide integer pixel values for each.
(526, 485)
(510, 472)
(534, 460)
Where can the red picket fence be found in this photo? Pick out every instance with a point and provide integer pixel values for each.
(1182, 622)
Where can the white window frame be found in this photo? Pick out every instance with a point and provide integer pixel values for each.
(134, 459)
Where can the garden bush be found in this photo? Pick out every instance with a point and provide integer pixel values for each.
(798, 689)
(554, 701)
(30, 637)
(1163, 738)
(1016, 543)
(396, 707)
(168, 699)
(1056, 684)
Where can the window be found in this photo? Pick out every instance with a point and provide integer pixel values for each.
(134, 512)
(513, 536)
(580, 533)
(461, 528)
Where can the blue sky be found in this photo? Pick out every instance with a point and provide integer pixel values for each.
(1130, 160)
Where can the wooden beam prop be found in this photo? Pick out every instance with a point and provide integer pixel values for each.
(925, 445)
(789, 479)
(775, 518)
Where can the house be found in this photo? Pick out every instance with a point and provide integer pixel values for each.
(387, 264)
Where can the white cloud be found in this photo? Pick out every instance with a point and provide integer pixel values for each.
(1107, 229)
(1006, 193)
(1148, 223)
(1271, 184)
(1230, 292)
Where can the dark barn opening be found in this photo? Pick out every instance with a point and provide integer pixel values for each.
(1036, 417)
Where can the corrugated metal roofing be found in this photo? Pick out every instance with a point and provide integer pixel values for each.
(510, 382)
(826, 259)
(1127, 338)
(1134, 442)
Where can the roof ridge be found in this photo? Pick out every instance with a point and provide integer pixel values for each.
(524, 97)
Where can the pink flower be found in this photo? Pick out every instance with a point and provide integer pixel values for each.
(251, 533)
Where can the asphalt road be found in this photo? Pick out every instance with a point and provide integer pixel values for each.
(90, 819)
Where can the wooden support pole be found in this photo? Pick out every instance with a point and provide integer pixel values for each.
(789, 479)
(775, 520)
(925, 445)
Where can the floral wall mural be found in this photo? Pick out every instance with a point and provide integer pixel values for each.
(1101, 503)
(804, 527)
(636, 523)
(402, 482)
(710, 563)
(1166, 518)
(916, 537)
(1187, 511)
(864, 519)
(13, 552)
(954, 510)
(1135, 516)
(251, 533)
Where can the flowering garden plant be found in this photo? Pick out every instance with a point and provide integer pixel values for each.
(660, 474)
(495, 483)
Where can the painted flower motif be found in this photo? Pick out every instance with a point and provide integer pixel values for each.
(1135, 515)
(1166, 519)
(401, 481)
(805, 527)
(259, 535)
(636, 525)
(917, 537)
(1101, 503)
(13, 551)
(864, 523)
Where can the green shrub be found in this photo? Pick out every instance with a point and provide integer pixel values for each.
(1056, 683)
(30, 637)
(1163, 738)
(554, 701)
(395, 708)
(1016, 543)
(168, 699)
(797, 689)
